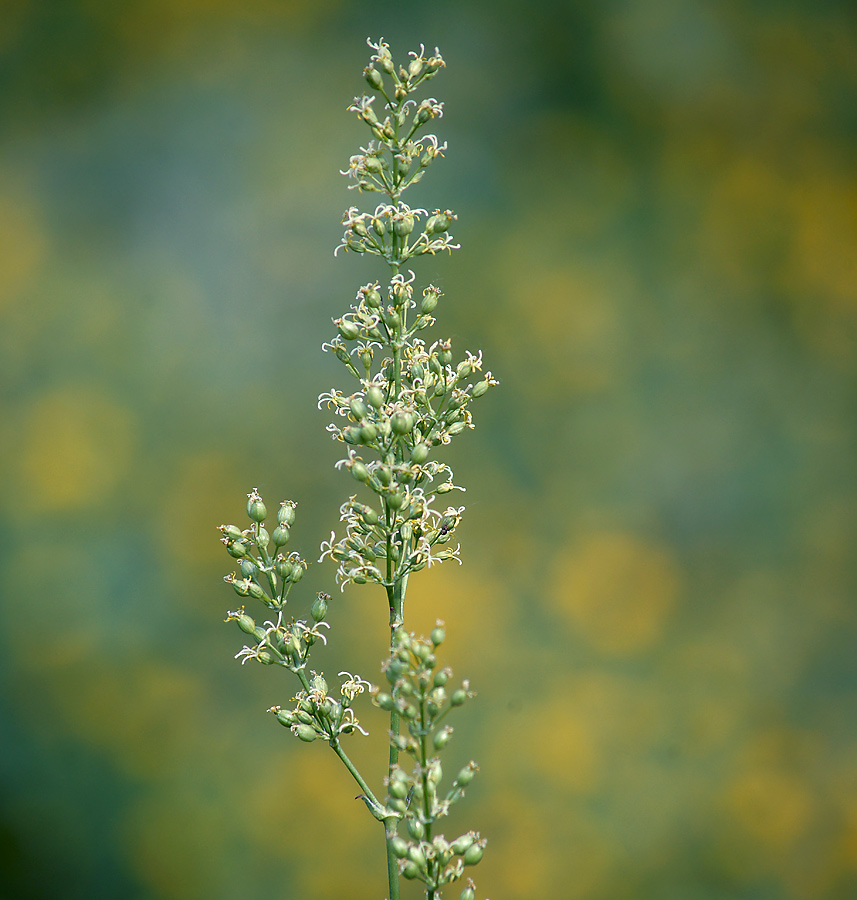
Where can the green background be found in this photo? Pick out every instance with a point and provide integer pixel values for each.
(658, 214)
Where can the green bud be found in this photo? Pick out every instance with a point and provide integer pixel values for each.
(358, 408)
(373, 299)
(458, 697)
(373, 77)
(395, 501)
(297, 573)
(416, 855)
(437, 224)
(262, 537)
(402, 423)
(429, 301)
(236, 549)
(461, 844)
(286, 513)
(305, 732)
(368, 433)
(370, 517)
(256, 592)
(231, 532)
(420, 453)
(256, 508)
(284, 716)
(467, 894)
(466, 775)
(249, 569)
(480, 388)
(441, 677)
(384, 474)
(348, 329)
(266, 657)
(473, 854)
(398, 789)
(442, 738)
(404, 226)
(246, 624)
(375, 396)
(445, 355)
(280, 535)
(399, 847)
(438, 636)
(385, 701)
(410, 870)
(319, 608)
(416, 829)
(359, 471)
(351, 435)
(283, 568)
(415, 67)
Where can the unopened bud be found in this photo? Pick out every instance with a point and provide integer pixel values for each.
(319, 608)
(373, 77)
(305, 732)
(286, 512)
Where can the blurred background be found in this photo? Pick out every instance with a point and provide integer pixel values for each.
(658, 214)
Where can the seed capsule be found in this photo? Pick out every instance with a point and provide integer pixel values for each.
(319, 608)
(359, 471)
(280, 535)
(347, 328)
(373, 77)
(375, 397)
(402, 423)
(420, 453)
(256, 508)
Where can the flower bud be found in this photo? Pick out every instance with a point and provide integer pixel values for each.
(280, 535)
(395, 501)
(442, 738)
(262, 537)
(385, 701)
(368, 433)
(438, 223)
(438, 636)
(286, 512)
(384, 474)
(373, 77)
(319, 608)
(283, 568)
(231, 532)
(375, 396)
(256, 508)
(415, 67)
(349, 330)
(305, 732)
(479, 388)
(403, 226)
(358, 408)
(410, 870)
(416, 855)
(398, 789)
(297, 573)
(467, 894)
(430, 298)
(420, 453)
(399, 847)
(458, 697)
(466, 775)
(284, 716)
(359, 471)
(474, 853)
(236, 549)
(373, 298)
(416, 829)
(402, 423)
(461, 844)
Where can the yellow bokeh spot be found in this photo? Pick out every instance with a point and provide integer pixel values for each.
(616, 591)
(771, 806)
(22, 244)
(76, 442)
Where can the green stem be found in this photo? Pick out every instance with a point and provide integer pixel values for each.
(377, 809)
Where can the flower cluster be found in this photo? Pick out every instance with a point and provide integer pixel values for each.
(418, 693)
(318, 715)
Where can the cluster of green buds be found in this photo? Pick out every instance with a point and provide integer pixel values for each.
(266, 574)
(318, 715)
(419, 693)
